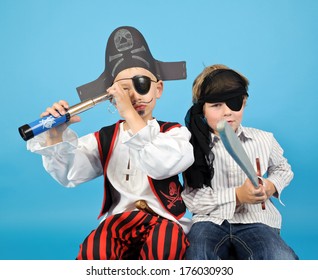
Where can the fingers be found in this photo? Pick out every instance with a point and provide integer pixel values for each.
(121, 99)
(249, 194)
(74, 119)
(260, 195)
(57, 109)
(260, 191)
(54, 134)
(115, 91)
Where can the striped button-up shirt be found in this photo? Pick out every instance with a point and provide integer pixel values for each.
(218, 203)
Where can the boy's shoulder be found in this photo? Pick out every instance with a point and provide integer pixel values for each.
(256, 132)
(166, 125)
(111, 126)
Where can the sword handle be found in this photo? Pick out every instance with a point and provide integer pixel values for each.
(258, 165)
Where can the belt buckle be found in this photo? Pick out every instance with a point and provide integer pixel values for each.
(143, 205)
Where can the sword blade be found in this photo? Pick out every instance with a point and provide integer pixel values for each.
(234, 147)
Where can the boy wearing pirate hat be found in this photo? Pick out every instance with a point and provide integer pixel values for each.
(139, 156)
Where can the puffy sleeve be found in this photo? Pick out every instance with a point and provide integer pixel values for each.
(71, 162)
(161, 154)
(279, 170)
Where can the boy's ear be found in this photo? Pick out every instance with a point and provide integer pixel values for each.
(159, 89)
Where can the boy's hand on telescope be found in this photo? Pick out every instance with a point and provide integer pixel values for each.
(54, 135)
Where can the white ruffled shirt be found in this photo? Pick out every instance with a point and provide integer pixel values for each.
(147, 153)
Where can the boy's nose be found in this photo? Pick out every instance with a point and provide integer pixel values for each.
(227, 110)
(133, 94)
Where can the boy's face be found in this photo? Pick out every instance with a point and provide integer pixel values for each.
(215, 112)
(143, 101)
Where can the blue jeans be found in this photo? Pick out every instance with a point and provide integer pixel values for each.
(209, 241)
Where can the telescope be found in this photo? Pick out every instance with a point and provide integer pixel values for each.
(34, 128)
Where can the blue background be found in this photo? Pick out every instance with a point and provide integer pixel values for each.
(48, 48)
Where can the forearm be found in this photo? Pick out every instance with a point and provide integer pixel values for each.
(207, 201)
(279, 171)
(162, 155)
(270, 188)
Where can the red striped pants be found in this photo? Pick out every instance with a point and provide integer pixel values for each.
(135, 235)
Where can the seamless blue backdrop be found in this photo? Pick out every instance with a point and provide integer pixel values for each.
(48, 48)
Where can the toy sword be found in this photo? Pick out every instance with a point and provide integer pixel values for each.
(237, 152)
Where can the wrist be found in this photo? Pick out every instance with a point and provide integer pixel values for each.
(238, 196)
(271, 189)
(53, 138)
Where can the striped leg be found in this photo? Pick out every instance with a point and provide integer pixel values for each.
(134, 235)
(111, 239)
(166, 241)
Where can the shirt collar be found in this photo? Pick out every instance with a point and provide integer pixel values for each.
(241, 133)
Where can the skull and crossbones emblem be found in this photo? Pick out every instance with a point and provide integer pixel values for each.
(173, 196)
(124, 41)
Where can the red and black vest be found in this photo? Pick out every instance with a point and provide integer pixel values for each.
(168, 191)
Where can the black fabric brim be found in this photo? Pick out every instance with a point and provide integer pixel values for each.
(94, 88)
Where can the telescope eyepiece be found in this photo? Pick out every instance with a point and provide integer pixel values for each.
(26, 132)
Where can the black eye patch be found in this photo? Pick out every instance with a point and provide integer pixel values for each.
(141, 83)
(235, 103)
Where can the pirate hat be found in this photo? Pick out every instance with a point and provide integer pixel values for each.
(127, 48)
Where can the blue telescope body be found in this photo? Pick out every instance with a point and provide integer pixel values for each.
(34, 128)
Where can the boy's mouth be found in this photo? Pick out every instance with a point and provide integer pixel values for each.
(140, 107)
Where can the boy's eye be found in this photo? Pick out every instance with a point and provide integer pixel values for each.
(126, 89)
(216, 105)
